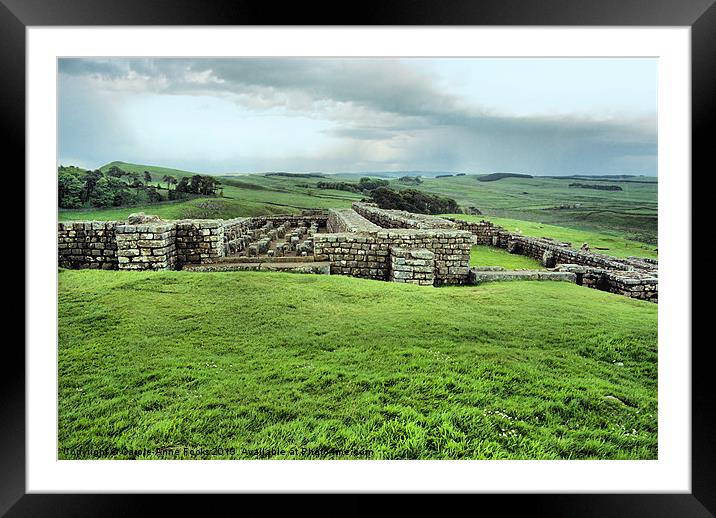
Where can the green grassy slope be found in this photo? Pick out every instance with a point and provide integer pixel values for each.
(612, 242)
(156, 171)
(524, 370)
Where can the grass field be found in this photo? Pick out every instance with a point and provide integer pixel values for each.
(611, 243)
(519, 370)
(482, 255)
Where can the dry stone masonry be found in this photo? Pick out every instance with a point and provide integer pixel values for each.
(363, 241)
(235, 235)
(87, 244)
(414, 266)
(367, 254)
(348, 220)
(199, 241)
(631, 283)
(478, 275)
(399, 218)
(146, 246)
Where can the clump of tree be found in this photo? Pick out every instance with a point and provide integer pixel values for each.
(169, 180)
(70, 187)
(410, 180)
(82, 188)
(365, 185)
(115, 187)
(338, 186)
(597, 187)
(368, 184)
(198, 184)
(413, 200)
(499, 176)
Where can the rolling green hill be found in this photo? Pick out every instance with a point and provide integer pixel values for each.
(157, 172)
(249, 360)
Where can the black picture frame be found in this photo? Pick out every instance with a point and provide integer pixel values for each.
(700, 15)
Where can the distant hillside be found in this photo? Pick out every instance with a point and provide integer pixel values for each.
(626, 178)
(499, 176)
(608, 176)
(297, 175)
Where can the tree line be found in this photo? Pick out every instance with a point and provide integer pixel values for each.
(413, 200)
(116, 187)
(597, 187)
(365, 185)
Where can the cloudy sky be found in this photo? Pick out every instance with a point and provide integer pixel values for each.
(472, 115)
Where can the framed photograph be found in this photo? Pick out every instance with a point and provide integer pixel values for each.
(419, 250)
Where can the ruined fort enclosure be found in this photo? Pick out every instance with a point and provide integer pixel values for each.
(363, 241)
(349, 333)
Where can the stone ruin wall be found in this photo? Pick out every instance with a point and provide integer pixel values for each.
(490, 234)
(374, 243)
(416, 266)
(354, 245)
(348, 220)
(87, 244)
(150, 246)
(154, 244)
(198, 241)
(367, 255)
(633, 277)
(386, 218)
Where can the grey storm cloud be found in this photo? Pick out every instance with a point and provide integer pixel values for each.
(382, 99)
(382, 84)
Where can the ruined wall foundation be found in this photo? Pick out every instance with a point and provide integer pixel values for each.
(363, 241)
(633, 277)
